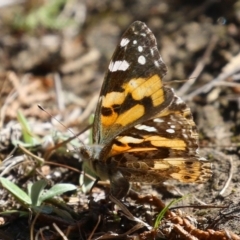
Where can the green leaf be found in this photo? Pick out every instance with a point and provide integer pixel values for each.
(85, 182)
(62, 213)
(14, 213)
(162, 213)
(16, 191)
(57, 190)
(43, 209)
(26, 130)
(48, 15)
(29, 188)
(36, 191)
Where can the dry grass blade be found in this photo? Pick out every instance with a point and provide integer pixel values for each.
(127, 213)
(230, 175)
(200, 66)
(95, 227)
(230, 69)
(60, 232)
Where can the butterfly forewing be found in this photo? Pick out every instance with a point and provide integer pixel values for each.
(132, 90)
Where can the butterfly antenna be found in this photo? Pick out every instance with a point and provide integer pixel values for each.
(69, 139)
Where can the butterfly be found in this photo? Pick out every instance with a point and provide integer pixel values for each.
(142, 131)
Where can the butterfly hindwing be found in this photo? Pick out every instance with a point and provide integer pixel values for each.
(165, 147)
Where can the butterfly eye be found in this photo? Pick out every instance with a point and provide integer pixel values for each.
(85, 153)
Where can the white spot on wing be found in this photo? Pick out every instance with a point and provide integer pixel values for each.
(141, 60)
(179, 100)
(151, 51)
(146, 128)
(185, 135)
(158, 120)
(124, 42)
(118, 66)
(172, 126)
(140, 48)
(129, 139)
(170, 130)
(173, 118)
(134, 41)
(156, 63)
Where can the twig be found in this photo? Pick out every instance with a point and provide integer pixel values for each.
(59, 231)
(32, 226)
(11, 96)
(6, 3)
(120, 236)
(96, 226)
(40, 231)
(127, 213)
(13, 161)
(27, 152)
(75, 65)
(59, 92)
(227, 84)
(200, 66)
(229, 178)
(232, 67)
(88, 109)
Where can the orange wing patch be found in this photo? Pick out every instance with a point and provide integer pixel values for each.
(138, 88)
(159, 141)
(124, 142)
